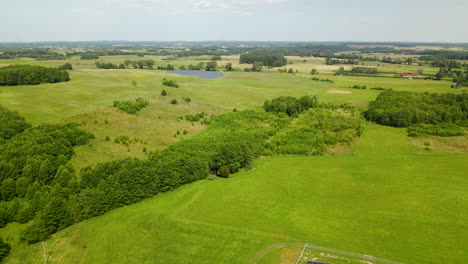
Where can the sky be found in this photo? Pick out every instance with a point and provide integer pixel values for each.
(245, 20)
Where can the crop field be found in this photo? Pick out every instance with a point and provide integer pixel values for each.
(386, 195)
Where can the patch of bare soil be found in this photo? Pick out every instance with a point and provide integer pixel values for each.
(334, 91)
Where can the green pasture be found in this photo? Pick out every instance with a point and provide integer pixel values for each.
(387, 200)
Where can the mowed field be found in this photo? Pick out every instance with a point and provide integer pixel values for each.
(391, 199)
(387, 200)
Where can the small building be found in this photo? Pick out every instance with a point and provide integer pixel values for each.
(404, 75)
(416, 75)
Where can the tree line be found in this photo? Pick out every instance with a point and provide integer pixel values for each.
(37, 181)
(31, 75)
(403, 108)
(268, 59)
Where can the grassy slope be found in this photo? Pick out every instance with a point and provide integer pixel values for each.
(387, 200)
(90, 90)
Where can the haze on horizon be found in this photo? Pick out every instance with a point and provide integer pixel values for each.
(256, 20)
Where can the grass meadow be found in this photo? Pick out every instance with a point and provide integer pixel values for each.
(391, 198)
(387, 200)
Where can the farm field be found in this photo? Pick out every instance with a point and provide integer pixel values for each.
(387, 192)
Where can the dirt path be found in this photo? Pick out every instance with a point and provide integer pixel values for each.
(267, 250)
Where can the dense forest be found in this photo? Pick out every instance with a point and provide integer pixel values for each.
(403, 109)
(31, 75)
(268, 59)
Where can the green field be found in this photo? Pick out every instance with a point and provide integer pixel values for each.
(387, 200)
(391, 198)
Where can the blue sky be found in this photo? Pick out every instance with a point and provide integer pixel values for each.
(198, 20)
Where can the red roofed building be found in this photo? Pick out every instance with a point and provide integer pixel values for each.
(417, 75)
(404, 75)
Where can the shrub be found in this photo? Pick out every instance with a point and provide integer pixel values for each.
(66, 66)
(173, 101)
(131, 107)
(170, 83)
(163, 93)
(5, 249)
(441, 130)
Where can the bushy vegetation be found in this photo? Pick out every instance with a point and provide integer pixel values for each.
(364, 70)
(321, 80)
(5, 249)
(106, 65)
(317, 129)
(131, 107)
(195, 117)
(66, 66)
(31, 74)
(140, 64)
(211, 66)
(170, 83)
(441, 130)
(290, 105)
(11, 123)
(268, 59)
(227, 145)
(403, 109)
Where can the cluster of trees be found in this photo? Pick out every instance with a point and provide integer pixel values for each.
(228, 67)
(140, 64)
(290, 105)
(37, 182)
(89, 56)
(363, 87)
(447, 54)
(33, 164)
(109, 65)
(66, 66)
(317, 129)
(435, 61)
(168, 67)
(321, 80)
(131, 107)
(35, 53)
(364, 70)
(403, 109)
(170, 83)
(31, 74)
(256, 67)
(331, 61)
(268, 59)
(12, 124)
(211, 66)
(291, 70)
(441, 130)
(230, 143)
